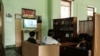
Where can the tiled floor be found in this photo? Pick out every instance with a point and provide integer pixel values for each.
(11, 52)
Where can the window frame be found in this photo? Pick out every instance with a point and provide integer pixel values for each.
(89, 17)
(70, 3)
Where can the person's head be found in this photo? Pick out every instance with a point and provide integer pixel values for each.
(31, 33)
(51, 32)
(84, 36)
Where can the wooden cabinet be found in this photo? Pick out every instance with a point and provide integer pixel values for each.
(65, 28)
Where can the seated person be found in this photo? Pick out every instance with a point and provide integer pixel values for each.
(49, 39)
(82, 44)
(31, 38)
(84, 41)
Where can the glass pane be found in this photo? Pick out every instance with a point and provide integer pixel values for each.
(90, 11)
(65, 9)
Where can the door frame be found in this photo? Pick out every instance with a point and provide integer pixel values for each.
(2, 19)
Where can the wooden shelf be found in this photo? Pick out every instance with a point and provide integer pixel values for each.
(65, 27)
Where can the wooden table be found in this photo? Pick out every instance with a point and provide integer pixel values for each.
(69, 44)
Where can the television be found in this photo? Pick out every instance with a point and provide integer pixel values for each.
(29, 23)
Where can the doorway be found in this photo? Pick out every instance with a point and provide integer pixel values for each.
(2, 52)
(1, 24)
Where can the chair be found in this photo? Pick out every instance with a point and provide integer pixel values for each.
(73, 51)
(87, 37)
(30, 49)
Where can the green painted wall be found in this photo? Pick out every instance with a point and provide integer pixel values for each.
(15, 6)
(80, 9)
(48, 9)
(49, 3)
(55, 10)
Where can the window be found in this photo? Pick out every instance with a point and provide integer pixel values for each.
(90, 12)
(65, 9)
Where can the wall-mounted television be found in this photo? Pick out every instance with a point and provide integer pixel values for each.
(29, 23)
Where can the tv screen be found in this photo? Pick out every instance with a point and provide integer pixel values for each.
(30, 23)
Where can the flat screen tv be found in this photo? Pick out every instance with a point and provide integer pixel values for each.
(29, 23)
